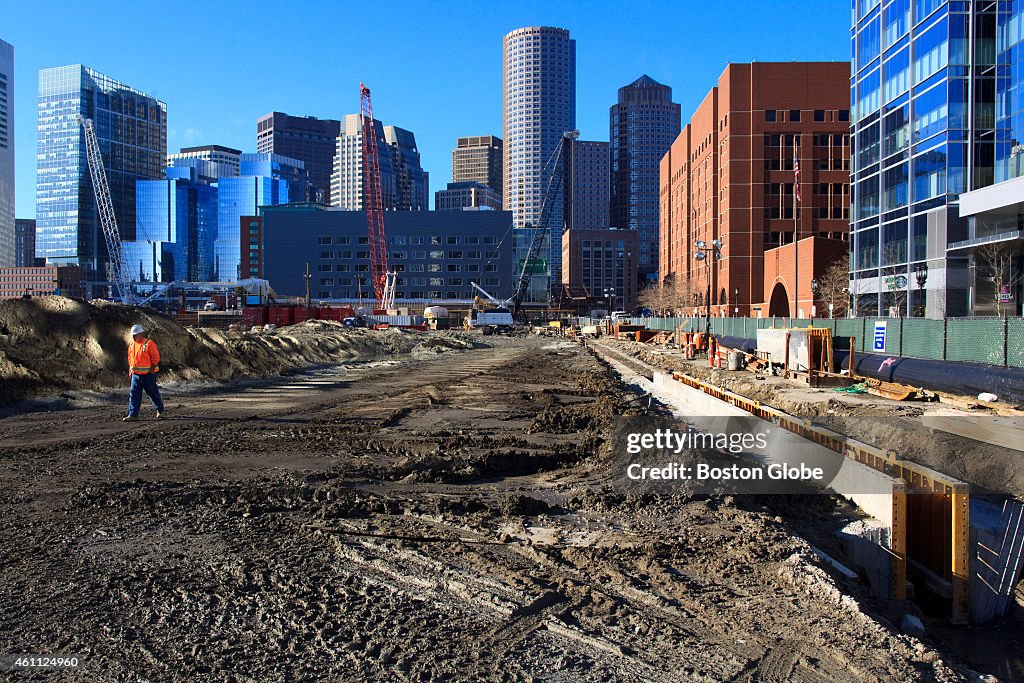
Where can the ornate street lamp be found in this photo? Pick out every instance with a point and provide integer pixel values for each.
(921, 274)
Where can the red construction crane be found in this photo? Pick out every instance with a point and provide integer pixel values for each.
(373, 201)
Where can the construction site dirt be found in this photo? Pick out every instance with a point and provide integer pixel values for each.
(895, 425)
(428, 517)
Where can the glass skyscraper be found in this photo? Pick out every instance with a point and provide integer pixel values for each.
(995, 232)
(132, 130)
(642, 126)
(265, 180)
(7, 230)
(176, 226)
(923, 130)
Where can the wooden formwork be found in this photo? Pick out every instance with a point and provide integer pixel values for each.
(930, 534)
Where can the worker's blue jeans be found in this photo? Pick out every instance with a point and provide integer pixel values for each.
(145, 383)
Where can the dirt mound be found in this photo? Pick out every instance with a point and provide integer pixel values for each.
(53, 344)
(442, 344)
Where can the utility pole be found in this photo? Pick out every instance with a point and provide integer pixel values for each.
(308, 277)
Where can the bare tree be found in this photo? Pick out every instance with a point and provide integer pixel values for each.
(680, 295)
(834, 286)
(654, 296)
(996, 262)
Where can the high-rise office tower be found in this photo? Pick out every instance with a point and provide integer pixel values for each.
(7, 247)
(404, 183)
(924, 129)
(132, 131)
(478, 159)
(590, 191)
(642, 126)
(306, 138)
(226, 159)
(539, 105)
(411, 181)
(265, 180)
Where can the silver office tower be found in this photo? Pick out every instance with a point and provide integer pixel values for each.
(539, 105)
(6, 154)
(132, 130)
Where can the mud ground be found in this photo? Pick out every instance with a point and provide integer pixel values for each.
(413, 519)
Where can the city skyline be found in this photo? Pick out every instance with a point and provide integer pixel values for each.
(414, 91)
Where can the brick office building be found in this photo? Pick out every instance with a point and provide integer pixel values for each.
(729, 175)
(42, 281)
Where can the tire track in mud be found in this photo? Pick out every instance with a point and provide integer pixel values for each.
(435, 520)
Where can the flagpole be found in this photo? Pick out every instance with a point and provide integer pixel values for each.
(796, 236)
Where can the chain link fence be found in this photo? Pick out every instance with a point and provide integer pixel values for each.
(991, 341)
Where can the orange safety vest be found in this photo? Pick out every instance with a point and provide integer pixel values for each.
(143, 357)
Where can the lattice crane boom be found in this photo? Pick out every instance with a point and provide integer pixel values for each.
(105, 207)
(538, 235)
(373, 201)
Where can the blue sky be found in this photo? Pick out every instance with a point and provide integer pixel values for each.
(434, 68)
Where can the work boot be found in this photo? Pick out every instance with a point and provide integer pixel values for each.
(130, 418)
(159, 414)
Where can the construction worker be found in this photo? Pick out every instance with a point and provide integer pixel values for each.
(143, 366)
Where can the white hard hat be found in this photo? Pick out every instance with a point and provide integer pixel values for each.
(138, 329)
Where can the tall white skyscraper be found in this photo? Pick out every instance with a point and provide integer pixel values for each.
(539, 106)
(6, 154)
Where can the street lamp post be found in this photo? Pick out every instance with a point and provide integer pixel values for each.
(814, 294)
(736, 302)
(921, 274)
(609, 293)
(715, 250)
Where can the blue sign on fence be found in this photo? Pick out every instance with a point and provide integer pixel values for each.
(879, 340)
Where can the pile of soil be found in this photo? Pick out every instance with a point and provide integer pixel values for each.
(451, 341)
(54, 344)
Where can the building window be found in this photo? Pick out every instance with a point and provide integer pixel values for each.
(819, 114)
(769, 114)
(794, 114)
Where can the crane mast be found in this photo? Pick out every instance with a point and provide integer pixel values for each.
(105, 208)
(560, 175)
(373, 202)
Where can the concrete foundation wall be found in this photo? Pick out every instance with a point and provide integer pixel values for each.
(869, 489)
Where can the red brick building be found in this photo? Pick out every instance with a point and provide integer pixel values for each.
(251, 238)
(729, 175)
(41, 281)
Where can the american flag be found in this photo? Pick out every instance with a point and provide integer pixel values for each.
(796, 170)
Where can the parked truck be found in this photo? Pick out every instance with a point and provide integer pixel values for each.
(490, 321)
